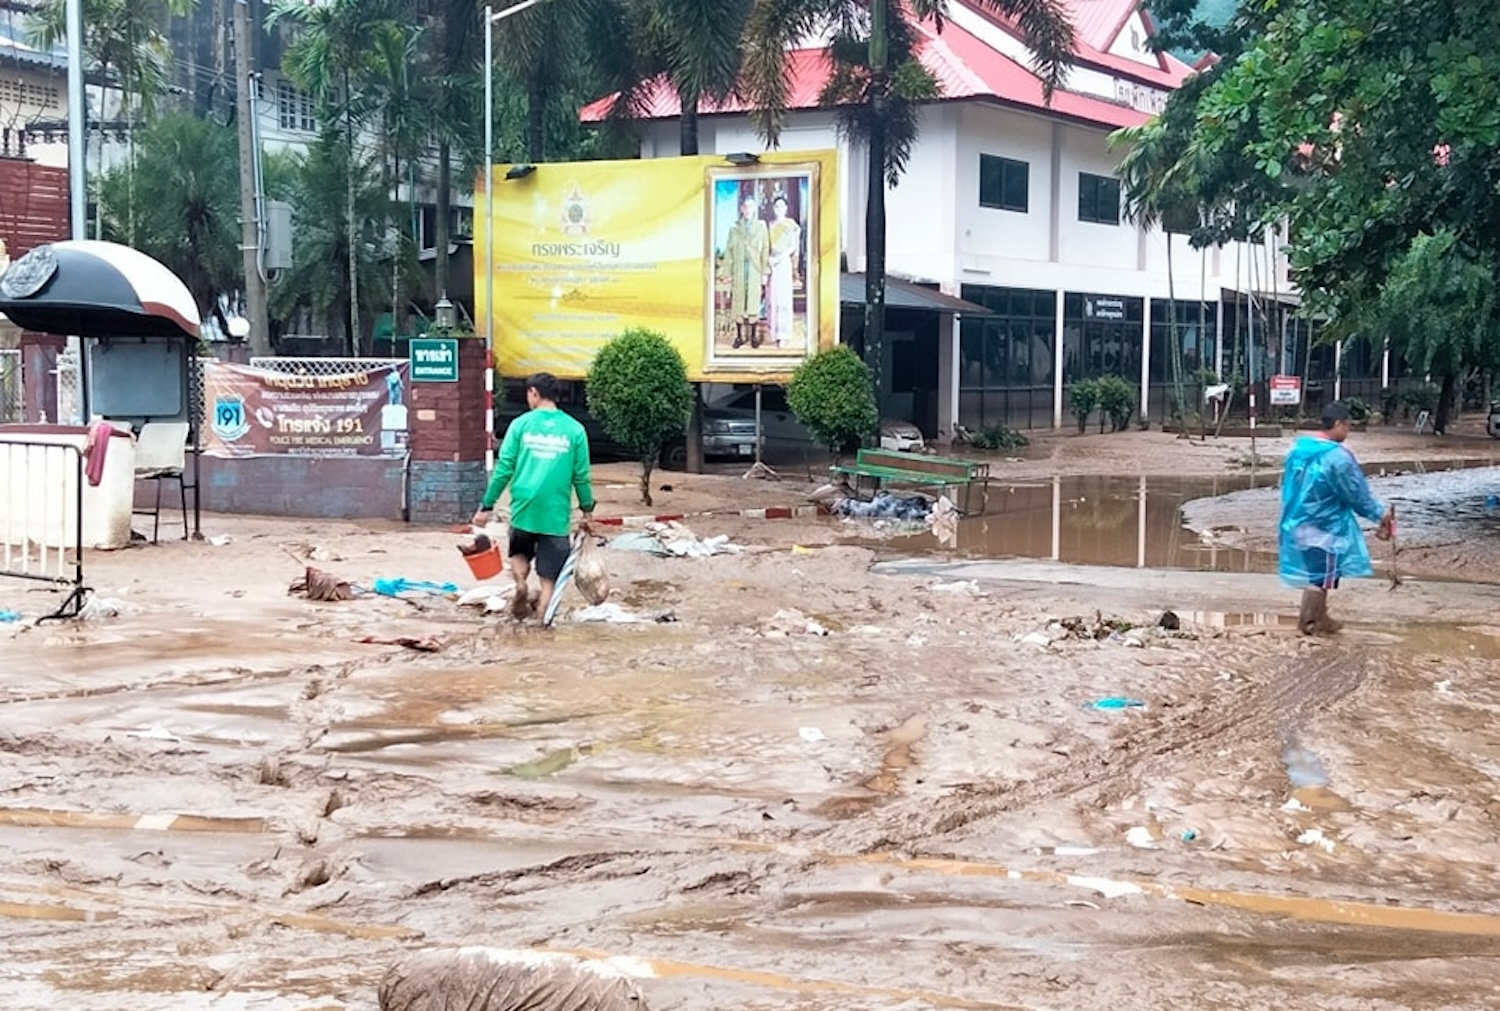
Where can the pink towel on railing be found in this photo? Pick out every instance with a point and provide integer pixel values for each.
(95, 448)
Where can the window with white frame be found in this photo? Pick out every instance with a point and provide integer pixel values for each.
(294, 108)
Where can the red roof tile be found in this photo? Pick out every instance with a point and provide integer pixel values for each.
(966, 67)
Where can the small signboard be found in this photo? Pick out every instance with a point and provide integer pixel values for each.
(434, 360)
(1286, 391)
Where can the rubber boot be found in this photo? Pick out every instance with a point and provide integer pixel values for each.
(1314, 611)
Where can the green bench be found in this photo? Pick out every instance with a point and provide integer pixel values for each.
(884, 466)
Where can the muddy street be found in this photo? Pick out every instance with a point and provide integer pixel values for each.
(829, 772)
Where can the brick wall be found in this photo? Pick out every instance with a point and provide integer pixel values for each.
(33, 205)
(447, 473)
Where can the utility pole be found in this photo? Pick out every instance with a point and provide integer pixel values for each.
(875, 202)
(251, 224)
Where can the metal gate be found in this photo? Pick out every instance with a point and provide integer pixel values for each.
(41, 517)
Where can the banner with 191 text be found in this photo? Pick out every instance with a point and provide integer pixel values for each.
(263, 412)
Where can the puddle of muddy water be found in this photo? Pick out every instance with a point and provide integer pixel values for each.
(1138, 521)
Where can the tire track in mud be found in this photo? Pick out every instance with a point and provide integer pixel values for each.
(1312, 683)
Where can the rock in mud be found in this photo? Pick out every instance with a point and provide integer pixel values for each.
(498, 979)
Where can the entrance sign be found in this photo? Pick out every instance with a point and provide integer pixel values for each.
(434, 359)
(1286, 391)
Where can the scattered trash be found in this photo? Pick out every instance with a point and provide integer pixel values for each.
(802, 549)
(885, 505)
(400, 586)
(1441, 687)
(672, 539)
(1141, 838)
(1169, 621)
(1315, 837)
(221, 540)
(1106, 887)
(1041, 639)
(98, 608)
(487, 597)
(944, 519)
(916, 641)
(1293, 804)
(420, 645)
(788, 621)
(1118, 702)
(1189, 834)
(811, 734)
(154, 733)
(9, 616)
(964, 586)
(316, 584)
(610, 613)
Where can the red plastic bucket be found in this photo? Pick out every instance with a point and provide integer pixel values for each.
(485, 564)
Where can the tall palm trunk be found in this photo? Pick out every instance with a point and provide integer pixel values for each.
(688, 126)
(536, 119)
(1174, 343)
(353, 227)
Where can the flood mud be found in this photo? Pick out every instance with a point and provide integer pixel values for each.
(847, 777)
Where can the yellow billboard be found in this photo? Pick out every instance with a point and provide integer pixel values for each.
(736, 264)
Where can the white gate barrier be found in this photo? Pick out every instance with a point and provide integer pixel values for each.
(41, 517)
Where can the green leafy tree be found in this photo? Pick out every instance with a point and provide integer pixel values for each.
(186, 191)
(124, 41)
(1374, 126)
(314, 183)
(334, 56)
(833, 397)
(638, 389)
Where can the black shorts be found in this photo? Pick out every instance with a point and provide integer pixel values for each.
(1322, 568)
(547, 551)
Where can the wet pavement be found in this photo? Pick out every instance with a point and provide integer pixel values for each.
(220, 801)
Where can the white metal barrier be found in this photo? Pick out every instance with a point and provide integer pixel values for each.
(41, 517)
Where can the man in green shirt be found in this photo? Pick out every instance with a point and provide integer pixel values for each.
(544, 459)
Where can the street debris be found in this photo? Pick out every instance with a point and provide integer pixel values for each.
(811, 735)
(420, 645)
(1117, 702)
(316, 584)
(8, 616)
(401, 587)
(673, 540)
(97, 608)
(609, 613)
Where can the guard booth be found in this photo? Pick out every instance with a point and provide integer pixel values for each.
(68, 488)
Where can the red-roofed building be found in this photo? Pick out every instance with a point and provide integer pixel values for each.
(1011, 202)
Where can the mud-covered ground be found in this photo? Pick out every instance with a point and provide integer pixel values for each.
(819, 785)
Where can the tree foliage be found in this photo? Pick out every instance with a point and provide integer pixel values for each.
(1373, 129)
(187, 202)
(833, 397)
(638, 389)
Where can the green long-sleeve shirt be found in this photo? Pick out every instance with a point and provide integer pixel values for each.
(544, 458)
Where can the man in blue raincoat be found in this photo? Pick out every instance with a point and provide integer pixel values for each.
(1323, 491)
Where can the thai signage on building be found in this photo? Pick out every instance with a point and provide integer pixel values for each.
(1106, 307)
(262, 412)
(736, 264)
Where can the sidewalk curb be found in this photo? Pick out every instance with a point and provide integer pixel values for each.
(768, 513)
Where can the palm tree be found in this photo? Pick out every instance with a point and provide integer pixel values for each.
(332, 59)
(125, 39)
(1159, 190)
(447, 85)
(187, 190)
(316, 183)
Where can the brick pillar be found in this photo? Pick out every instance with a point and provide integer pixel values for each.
(448, 442)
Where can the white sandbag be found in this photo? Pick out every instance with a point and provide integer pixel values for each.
(498, 979)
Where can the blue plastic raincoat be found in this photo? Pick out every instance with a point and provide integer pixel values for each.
(1322, 491)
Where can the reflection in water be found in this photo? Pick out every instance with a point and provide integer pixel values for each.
(1101, 520)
